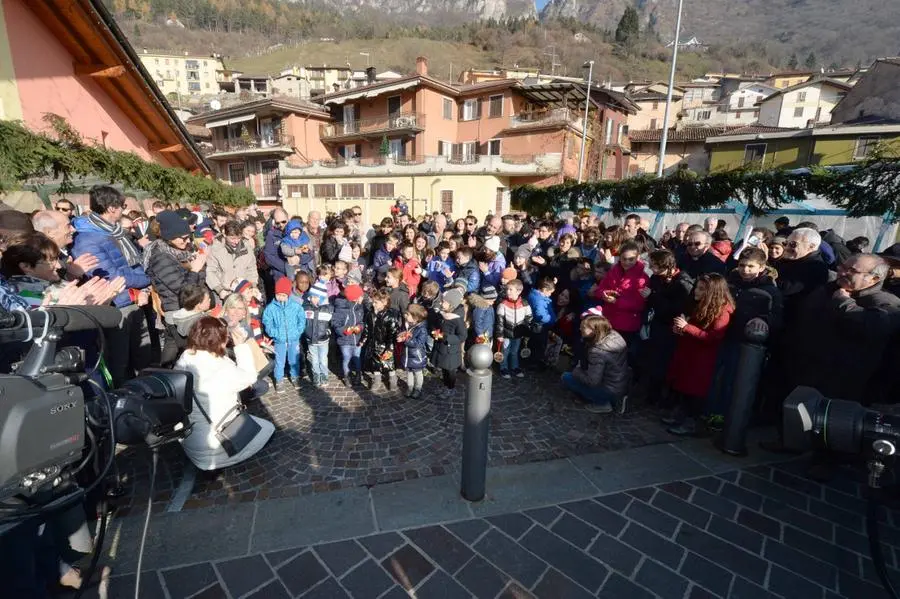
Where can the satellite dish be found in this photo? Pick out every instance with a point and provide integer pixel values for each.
(215, 105)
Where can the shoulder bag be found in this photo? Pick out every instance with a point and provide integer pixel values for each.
(236, 429)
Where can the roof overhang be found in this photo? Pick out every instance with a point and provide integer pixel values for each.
(834, 131)
(100, 50)
(572, 95)
(370, 91)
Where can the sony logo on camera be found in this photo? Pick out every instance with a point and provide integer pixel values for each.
(63, 407)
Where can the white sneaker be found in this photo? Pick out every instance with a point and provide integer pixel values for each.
(622, 404)
(596, 408)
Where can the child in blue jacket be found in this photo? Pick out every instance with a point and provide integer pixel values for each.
(541, 301)
(414, 358)
(482, 311)
(441, 268)
(285, 321)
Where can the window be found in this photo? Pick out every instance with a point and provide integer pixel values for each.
(493, 147)
(353, 190)
(448, 109)
(704, 115)
(801, 96)
(394, 104)
(655, 105)
(607, 138)
(620, 129)
(653, 123)
(236, 174)
(447, 201)
(738, 115)
(298, 191)
(194, 86)
(207, 85)
(465, 153)
(470, 110)
(495, 107)
(396, 148)
(324, 190)
(741, 101)
(798, 112)
(445, 148)
(381, 190)
(754, 153)
(864, 147)
(271, 181)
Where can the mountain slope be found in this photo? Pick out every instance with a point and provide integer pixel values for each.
(477, 9)
(842, 31)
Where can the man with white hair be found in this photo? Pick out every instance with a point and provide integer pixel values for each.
(58, 227)
(801, 269)
(710, 223)
(437, 230)
(697, 259)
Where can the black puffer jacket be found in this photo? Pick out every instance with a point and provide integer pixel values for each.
(759, 298)
(318, 322)
(169, 277)
(447, 350)
(380, 331)
(797, 279)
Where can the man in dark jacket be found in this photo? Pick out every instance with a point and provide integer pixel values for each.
(274, 260)
(801, 270)
(698, 260)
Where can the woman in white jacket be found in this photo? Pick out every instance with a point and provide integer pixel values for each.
(217, 382)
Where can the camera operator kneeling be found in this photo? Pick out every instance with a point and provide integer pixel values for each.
(223, 434)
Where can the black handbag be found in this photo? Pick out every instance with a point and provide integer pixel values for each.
(236, 429)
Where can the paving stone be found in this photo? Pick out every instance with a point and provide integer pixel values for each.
(508, 556)
(555, 585)
(652, 544)
(443, 548)
(827, 511)
(850, 540)
(700, 593)
(328, 589)
(441, 586)
(515, 524)
(339, 557)
(515, 591)
(711, 484)
(544, 515)
(184, 582)
(652, 518)
(617, 502)
(468, 530)
(273, 590)
(707, 574)
(575, 530)
(679, 489)
(833, 554)
(566, 558)
(396, 592)
(785, 583)
(801, 564)
(644, 494)
(302, 573)
(214, 591)
(617, 587)
(799, 519)
(407, 566)
(123, 586)
(244, 574)
(615, 554)
(715, 504)
(723, 553)
(381, 544)
(660, 579)
(741, 496)
(744, 589)
(679, 508)
(481, 578)
(368, 580)
(844, 501)
(276, 558)
(851, 586)
(598, 515)
(801, 485)
(761, 524)
(741, 536)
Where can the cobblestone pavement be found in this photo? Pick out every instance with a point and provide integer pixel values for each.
(758, 533)
(347, 437)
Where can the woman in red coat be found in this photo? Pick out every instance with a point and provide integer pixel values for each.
(693, 365)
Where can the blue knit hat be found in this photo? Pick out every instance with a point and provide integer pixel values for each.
(320, 290)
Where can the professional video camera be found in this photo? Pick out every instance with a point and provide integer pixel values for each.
(48, 433)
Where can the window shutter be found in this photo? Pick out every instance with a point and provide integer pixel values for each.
(461, 107)
(440, 148)
(478, 108)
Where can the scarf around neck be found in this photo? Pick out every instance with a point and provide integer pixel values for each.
(130, 251)
(159, 245)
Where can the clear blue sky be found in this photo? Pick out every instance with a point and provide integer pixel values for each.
(541, 3)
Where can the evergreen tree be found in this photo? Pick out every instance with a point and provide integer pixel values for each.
(793, 62)
(385, 148)
(810, 62)
(629, 28)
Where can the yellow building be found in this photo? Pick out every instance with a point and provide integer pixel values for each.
(793, 148)
(787, 79)
(184, 74)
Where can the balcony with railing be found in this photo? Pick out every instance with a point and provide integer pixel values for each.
(404, 122)
(547, 118)
(272, 143)
(504, 164)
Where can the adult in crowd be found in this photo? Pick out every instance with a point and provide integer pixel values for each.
(825, 249)
(800, 270)
(66, 208)
(230, 260)
(621, 293)
(217, 384)
(635, 232)
(674, 239)
(336, 245)
(698, 259)
(314, 231)
(58, 227)
(379, 237)
(710, 224)
(273, 256)
(99, 234)
(437, 231)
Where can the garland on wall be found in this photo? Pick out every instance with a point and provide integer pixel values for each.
(871, 188)
(28, 157)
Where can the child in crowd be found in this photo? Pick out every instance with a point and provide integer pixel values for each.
(694, 362)
(562, 333)
(467, 269)
(440, 268)
(430, 298)
(324, 274)
(512, 324)
(252, 298)
(620, 292)
(544, 316)
(302, 282)
(481, 315)
(318, 310)
(338, 280)
(284, 322)
(602, 378)
(357, 264)
(408, 263)
(525, 271)
(382, 259)
(382, 326)
(398, 290)
(415, 349)
(448, 339)
(347, 324)
(295, 248)
(195, 303)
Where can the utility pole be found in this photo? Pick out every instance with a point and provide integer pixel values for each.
(587, 107)
(665, 132)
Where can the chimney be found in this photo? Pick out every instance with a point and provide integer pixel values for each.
(421, 65)
(370, 75)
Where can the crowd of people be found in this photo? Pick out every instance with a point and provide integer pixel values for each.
(240, 298)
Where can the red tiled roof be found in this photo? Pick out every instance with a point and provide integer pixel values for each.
(698, 133)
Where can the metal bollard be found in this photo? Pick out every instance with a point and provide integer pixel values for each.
(477, 422)
(743, 395)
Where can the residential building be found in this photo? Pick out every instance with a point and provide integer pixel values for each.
(651, 103)
(875, 97)
(184, 74)
(471, 76)
(802, 105)
(786, 79)
(737, 107)
(794, 148)
(691, 44)
(69, 58)
(699, 92)
(250, 142)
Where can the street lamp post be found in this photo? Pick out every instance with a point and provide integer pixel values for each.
(665, 132)
(587, 106)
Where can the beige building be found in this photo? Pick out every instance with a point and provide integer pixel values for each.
(651, 99)
(184, 74)
(875, 97)
(803, 104)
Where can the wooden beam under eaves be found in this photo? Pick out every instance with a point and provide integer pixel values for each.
(165, 148)
(99, 70)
